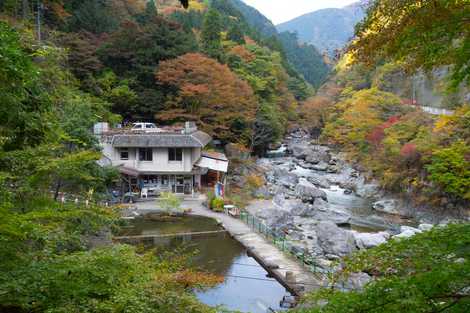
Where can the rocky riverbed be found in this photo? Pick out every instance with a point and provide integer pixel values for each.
(327, 208)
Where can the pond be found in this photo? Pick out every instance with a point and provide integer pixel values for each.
(246, 288)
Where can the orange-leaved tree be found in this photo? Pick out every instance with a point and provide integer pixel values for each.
(208, 92)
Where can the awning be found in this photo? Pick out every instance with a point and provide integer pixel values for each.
(128, 171)
(216, 162)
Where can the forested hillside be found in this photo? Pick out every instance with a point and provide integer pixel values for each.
(303, 57)
(327, 29)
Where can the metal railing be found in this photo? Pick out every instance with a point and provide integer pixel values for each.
(281, 241)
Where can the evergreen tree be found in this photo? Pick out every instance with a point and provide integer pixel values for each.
(149, 13)
(151, 8)
(211, 37)
(235, 34)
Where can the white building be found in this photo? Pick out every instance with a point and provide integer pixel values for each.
(161, 159)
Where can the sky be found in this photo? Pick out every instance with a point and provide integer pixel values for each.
(279, 11)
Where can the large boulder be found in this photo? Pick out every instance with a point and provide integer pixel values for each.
(321, 210)
(334, 240)
(355, 281)
(308, 192)
(285, 178)
(370, 240)
(425, 227)
(300, 151)
(319, 181)
(316, 156)
(407, 232)
(389, 206)
(322, 166)
(326, 212)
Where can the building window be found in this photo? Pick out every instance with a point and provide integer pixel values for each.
(175, 154)
(165, 180)
(145, 154)
(124, 152)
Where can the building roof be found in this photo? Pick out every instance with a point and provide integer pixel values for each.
(219, 165)
(197, 139)
(214, 155)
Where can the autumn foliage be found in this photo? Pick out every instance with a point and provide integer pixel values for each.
(376, 136)
(209, 93)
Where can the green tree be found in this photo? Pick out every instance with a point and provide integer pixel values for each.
(450, 169)
(23, 104)
(304, 58)
(211, 34)
(235, 34)
(94, 16)
(149, 13)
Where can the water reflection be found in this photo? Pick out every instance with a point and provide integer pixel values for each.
(246, 287)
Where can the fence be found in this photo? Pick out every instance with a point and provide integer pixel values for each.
(280, 240)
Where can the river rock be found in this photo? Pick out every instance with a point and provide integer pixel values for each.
(425, 227)
(318, 181)
(315, 156)
(262, 193)
(308, 192)
(405, 234)
(333, 169)
(322, 167)
(275, 218)
(323, 211)
(334, 240)
(285, 178)
(363, 190)
(300, 151)
(389, 206)
(356, 281)
(409, 228)
(370, 240)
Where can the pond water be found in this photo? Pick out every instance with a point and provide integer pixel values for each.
(246, 287)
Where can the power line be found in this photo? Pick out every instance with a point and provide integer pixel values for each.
(273, 280)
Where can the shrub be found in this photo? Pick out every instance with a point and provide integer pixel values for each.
(217, 204)
(170, 202)
(255, 181)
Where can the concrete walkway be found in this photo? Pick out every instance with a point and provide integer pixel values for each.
(287, 270)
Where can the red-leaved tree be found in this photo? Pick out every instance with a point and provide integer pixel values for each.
(209, 93)
(377, 134)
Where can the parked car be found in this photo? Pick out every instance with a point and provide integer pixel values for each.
(144, 126)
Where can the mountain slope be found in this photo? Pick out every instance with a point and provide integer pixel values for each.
(304, 58)
(255, 18)
(326, 29)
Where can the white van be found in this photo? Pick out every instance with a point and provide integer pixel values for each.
(144, 126)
